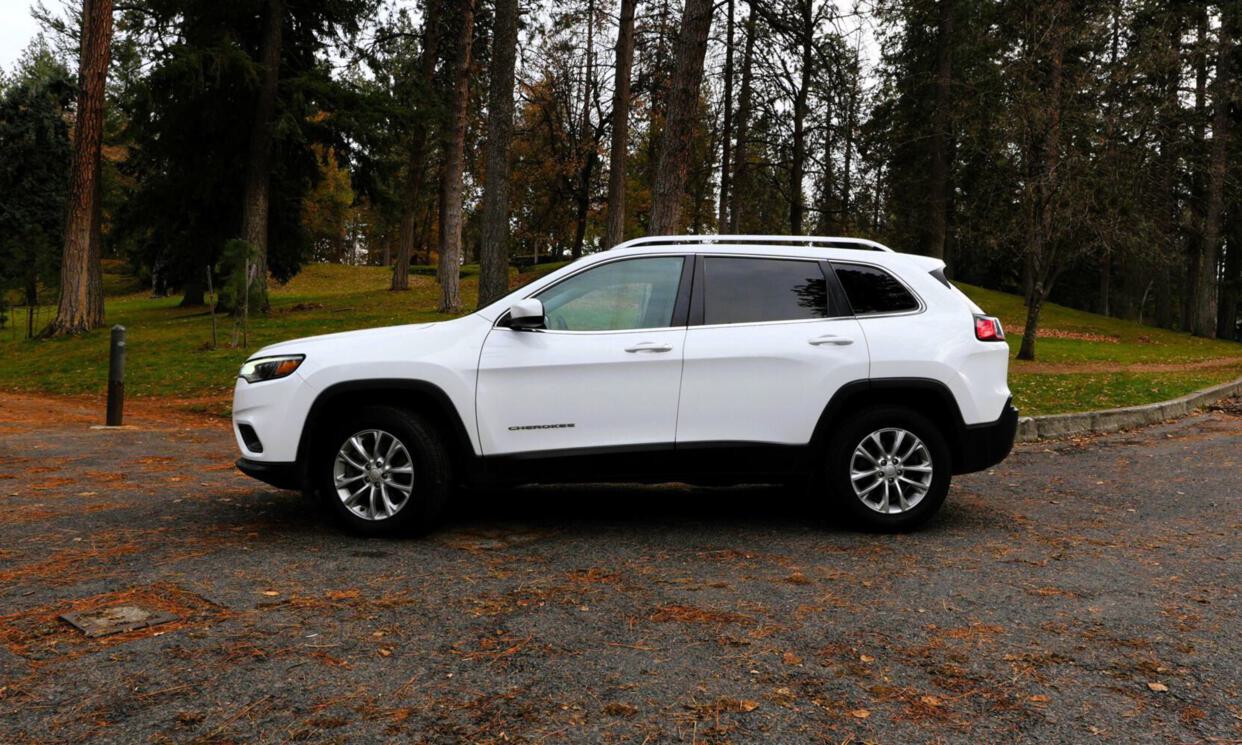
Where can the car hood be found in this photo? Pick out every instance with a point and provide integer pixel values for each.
(343, 339)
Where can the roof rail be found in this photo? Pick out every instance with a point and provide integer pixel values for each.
(861, 244)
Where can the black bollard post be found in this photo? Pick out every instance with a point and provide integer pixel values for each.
(116, 377)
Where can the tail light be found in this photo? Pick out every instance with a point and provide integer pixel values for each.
(988, 328)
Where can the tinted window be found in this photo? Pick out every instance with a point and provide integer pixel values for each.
(745, 290)
(872, 290)
(631, 294)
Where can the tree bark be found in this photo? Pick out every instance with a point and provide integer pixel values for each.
(851, 134)
(1231, 286)
(726, 129)
(739, 191)
(825, 223)
(416, 165)
(938, 177)
(449, 271)
(1209, 249)
(255, 195)
(494, 249)
(669, 186)
(80, 308)
(1198, 180)
(797, 166)
(620, 126)
(1045, 166)
(1167, 218)
(587, 144)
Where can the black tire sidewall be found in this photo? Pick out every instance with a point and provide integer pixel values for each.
(431, 470)
(841, 449)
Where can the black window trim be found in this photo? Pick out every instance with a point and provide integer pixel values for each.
(680, 305)
(838, 304)
(889, 314)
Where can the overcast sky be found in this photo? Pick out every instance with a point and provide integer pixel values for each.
(17, 28)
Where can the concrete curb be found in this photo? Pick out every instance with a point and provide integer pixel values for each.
(1111, 420)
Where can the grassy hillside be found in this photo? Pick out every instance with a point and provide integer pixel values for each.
(1086, 361)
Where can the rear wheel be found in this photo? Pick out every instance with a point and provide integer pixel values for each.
(383, 471)
(889, 468)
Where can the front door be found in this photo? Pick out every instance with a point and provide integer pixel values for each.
(771, 343)
(605, 373)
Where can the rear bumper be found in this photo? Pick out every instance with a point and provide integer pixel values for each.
(985, 445)
(279, 475)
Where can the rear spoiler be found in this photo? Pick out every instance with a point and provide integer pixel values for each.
(926, 263)
(935, 267)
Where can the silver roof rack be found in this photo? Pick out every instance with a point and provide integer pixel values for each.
(860, 244)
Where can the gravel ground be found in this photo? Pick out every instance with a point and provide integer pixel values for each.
(1082, 591)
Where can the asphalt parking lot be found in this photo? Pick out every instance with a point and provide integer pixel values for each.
(1083, 591)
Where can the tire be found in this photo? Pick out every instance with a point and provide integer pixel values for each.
(914, 494)
(384, 508)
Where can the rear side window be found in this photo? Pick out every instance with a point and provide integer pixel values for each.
(873, 290)
(745, 290)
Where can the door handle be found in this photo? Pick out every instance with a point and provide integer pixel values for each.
(839, 341)
(650, 346)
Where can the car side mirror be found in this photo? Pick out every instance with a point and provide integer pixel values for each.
(526, 315)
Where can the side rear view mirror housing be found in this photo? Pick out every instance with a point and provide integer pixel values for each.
(526, 315)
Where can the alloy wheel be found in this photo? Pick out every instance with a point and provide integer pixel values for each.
(891, 470)
(373, 474)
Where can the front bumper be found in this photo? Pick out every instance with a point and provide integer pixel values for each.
(984, 445)
(279, 475)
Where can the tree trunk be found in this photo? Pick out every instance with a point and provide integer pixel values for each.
(851, 131)
(192, 292)
(586, 142)
(1106, 281)
(255, 194)
(938, 176)
(1231, 286)
(726, 129)
(669, 186)
(1045, 165)
(825, 223)
(1209, 249)
(405, 242)
(741, 163)
(80, 308)
(1167, 217)
(797, 166)
(1198, 180)
(416, 165)
(494, 250)
(449, 271)
(583, 200)
(1027, 350)
(620, 126)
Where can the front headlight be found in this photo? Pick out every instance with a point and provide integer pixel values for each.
(270, 368)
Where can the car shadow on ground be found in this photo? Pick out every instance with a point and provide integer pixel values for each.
(601, 509)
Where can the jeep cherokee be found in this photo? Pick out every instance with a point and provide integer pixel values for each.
(835, 362)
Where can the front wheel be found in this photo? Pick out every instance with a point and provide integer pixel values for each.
(383, 471)
(889, 468)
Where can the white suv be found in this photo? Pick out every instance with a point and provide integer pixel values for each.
(707, 360)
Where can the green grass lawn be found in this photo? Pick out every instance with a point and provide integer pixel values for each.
(1081, 363)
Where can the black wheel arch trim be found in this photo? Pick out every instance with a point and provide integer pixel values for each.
(445, 408)
(973, 447)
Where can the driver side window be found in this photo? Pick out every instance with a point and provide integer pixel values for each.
(635, 293)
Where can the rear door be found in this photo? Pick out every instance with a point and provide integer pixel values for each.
(771, 340)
